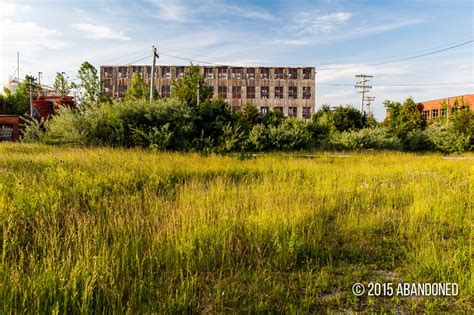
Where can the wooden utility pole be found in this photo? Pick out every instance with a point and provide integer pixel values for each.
(363, 88)
(152, 79)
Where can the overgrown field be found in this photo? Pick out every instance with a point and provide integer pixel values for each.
(89, 230)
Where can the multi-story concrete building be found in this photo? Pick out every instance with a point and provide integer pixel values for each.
(290, 90)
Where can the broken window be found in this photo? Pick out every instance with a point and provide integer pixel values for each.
(307, 73)
(237, 73)
(264, 110)
(208, 73)
(236, 91)
(122, 73)
(264, 92)
(293, 111)
(293, 73)
(180, 72)
(108, 72)
(250, 73)
(222, 91)
(293, 92)
(264, 73)
(165, 91)
(307, 112)
(166, 72)
(279, 74)
(250, 91)
(306, 92)
(222, 73)
(279, 92)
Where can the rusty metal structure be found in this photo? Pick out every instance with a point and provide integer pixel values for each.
(290, 90)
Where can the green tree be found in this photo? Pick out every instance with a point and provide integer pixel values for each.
(186, 88)
(403, 118)
(89, 85)
(347, 118)
(138, 88)
(61, 86)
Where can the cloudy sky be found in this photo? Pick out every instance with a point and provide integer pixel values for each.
(340, 38)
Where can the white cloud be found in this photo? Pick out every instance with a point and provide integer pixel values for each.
(12, 9)
(96, 31)
(178, 11)
(314, 23)
(26, 35)
(171, 10)
(291, 42)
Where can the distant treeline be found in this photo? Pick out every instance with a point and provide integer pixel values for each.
(181, 123)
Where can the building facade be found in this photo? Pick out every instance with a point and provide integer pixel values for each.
(444, 107)
(289, 90)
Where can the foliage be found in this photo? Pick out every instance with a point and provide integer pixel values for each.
(185, 89)
(138, 88)
(347, 118)
(448, 140)
(89, 85)
(403, 118)
(18, 103)
(375, 138)
(61, 86)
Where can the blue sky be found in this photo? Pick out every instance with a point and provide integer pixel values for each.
(56, 36)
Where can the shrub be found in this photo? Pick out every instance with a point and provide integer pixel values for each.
(291, 134)
(377, 138)
(448, 140)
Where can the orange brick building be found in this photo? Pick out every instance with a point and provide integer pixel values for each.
(444, 107)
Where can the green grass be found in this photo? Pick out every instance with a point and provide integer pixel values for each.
(89, 230)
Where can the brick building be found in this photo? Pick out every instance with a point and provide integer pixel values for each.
(290, 90)
(445, 106)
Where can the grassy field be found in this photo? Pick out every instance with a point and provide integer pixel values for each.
(88, 230)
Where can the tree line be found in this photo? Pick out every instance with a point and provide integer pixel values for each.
(181, 123)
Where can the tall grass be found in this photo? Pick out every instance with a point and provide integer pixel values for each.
(90, 230)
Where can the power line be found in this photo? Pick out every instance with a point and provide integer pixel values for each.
(398, 60)
(295, 64)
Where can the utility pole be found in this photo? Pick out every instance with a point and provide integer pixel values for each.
(363, 88)
(30, 84)
(152, 79)
(63, 83)
(369, 100)
(18, 67)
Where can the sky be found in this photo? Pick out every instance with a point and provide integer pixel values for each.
(340, 38)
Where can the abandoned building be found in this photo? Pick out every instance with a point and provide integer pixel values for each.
(289, 90)
(445, 107)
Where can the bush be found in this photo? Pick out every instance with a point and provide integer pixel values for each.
(448, 140)
(377, 138)
(291, 134)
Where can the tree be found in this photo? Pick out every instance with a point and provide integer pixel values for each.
(347, 118)
(403, 118)
(138, 88)
(90, 85)
(185, 89)
(61, 86)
